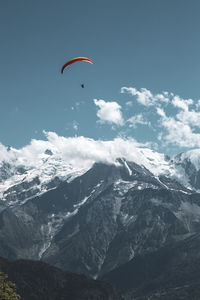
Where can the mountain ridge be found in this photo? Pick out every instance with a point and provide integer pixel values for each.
(103, 216)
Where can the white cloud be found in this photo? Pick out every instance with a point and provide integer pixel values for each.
(166, 93)
(137, 119)
(145, 97)
(109, 112)
(129, 103)
(160, 112)
(180, 128)
(161, 97)
(186, 116)
(189, 117)
(82, 152)
(178, 132)
(198, 104)
(182, 103)
(75, 125)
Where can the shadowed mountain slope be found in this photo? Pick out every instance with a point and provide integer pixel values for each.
(40, 281)
(172, 272)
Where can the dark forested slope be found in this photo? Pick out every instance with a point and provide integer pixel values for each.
(39, 281)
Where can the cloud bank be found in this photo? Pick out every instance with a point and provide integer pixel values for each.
(82, 152)
(178, 119)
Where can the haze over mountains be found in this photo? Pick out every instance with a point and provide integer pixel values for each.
(93, 207)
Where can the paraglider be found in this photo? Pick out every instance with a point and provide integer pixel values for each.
(73, 60)
(82, 85)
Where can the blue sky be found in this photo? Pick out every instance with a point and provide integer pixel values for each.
(151, 48)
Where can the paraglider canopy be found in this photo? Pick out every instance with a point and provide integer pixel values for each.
(73, 60)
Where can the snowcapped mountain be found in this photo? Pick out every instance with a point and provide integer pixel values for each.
(41, 166)
(90, 206)
(21, 182)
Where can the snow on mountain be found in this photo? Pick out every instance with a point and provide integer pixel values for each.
(187, 167)
(42, 165)
(46, 171)
(67, 158)
(193, 156)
